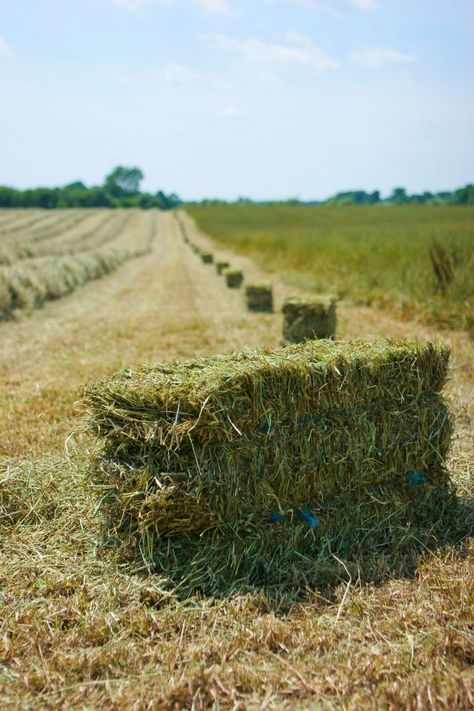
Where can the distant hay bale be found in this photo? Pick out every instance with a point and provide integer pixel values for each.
(303, 320)
(233, 278)
(259, 296)
(221, 265)
(245, 469)
(207, 257)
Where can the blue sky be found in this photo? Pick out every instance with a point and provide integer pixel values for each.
(265, 98)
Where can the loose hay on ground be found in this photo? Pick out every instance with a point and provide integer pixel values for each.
(218, 470)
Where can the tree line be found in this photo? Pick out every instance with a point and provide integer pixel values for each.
(121, 188)
(399, 196)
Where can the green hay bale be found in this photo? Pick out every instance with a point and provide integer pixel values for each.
(259, 296)
(233, 278)
(303, 320)
(221, 265)
(207, 257)
(216, 469)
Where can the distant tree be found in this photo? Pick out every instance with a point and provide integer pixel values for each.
(77, 185)
(399, 196)
(464, 196)
(123, 181)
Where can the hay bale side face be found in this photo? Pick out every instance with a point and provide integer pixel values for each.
(221, 265)
(304, 320)
(259, 297)
(207, 257)
(233, 278)
(196, 454)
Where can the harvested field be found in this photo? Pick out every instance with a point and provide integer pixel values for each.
(50, 264)
(82, 629)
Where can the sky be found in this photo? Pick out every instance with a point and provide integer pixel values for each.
(268, 99)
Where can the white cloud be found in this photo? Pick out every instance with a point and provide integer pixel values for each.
(6, 50)
(267, 59)
(212, 7)
(179, 75)
(175, 73)
(219, 7)
(376, 57)
(231, 113)
(365, 4)
(329, 5)
(132, 5)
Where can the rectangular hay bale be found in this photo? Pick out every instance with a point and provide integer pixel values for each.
(233, 278)
(303, 320)
(259, 296)
(221, 265)
(203, 455)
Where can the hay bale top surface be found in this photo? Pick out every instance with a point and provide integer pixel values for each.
(258, 286)
(232, 272)
(220, 397)
(294, 303)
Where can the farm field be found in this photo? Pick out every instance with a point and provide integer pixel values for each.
(369, 256)
(79, 628)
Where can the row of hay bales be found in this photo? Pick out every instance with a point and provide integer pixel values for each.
(30, 283)
(302, 319)
(264, 468)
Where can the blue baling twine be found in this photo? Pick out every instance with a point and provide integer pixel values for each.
(267, 427)
(416, 478)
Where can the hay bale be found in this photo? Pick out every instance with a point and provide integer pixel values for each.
(303, 320)
(233, 278)
(259, 296)
(221, 265)
(218, 469)
(207, 257)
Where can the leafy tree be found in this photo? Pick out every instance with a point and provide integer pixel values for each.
(399, 196)
(123, 181)
(464, 196)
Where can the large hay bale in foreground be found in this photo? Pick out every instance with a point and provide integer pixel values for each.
(303, 320)
(221, 265)
(207, 257)
(259, 296)
(239, 467)
(233, 278)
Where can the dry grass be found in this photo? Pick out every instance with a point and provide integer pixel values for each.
(81, 630)
(380, 256)
(30, 280)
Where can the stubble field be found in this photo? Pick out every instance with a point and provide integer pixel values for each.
(79, 628)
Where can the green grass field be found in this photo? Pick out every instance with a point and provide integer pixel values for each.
(369, 255)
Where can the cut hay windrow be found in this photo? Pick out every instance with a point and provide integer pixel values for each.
(232, 470)
(233, 278)
(221, 265)
(303, 320)
(30, 283)
(259, 296)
